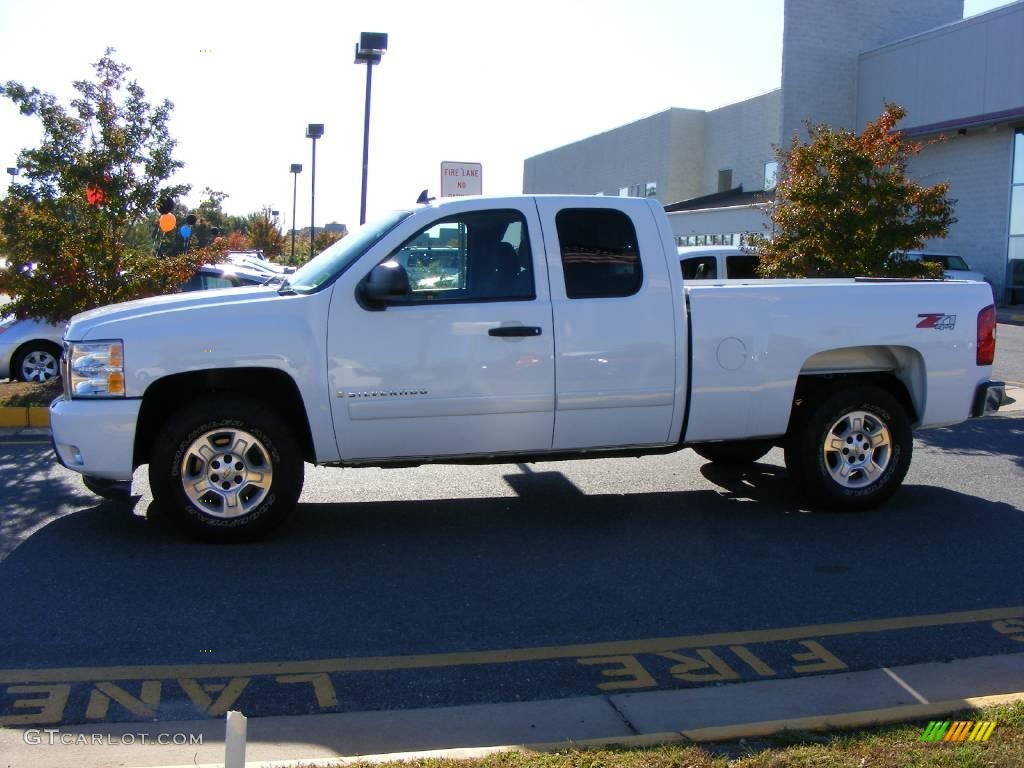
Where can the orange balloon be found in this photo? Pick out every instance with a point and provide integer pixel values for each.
(167, 222)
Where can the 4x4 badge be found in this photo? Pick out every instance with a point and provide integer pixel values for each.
(938, 321)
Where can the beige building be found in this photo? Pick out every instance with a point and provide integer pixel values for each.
(962, 79)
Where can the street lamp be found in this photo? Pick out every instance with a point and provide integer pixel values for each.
(14, 172)
(296, 169)
(369, 49)
(313, 131)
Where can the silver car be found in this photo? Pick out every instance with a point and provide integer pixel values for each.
(29, 349)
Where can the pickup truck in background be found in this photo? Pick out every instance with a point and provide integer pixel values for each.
(717, 262)
(558, 327)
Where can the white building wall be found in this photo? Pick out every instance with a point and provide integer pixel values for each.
(977, 167)
(968, 70)
(741, 137)
(666, 148)
(735, 219)
(821, 46)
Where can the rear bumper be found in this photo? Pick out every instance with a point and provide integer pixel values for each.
(95, 437)
(987, 398)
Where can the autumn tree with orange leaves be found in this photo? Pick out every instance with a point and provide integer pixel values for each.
(844, 206)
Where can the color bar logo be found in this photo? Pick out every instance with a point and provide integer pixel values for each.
(958, 730)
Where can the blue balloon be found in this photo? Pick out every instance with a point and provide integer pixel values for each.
(186, 231)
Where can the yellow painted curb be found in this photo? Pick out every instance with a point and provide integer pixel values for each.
(38, 416)
(24, 416)
(12, 416)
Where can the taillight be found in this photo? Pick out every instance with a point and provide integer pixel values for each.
(987, 335)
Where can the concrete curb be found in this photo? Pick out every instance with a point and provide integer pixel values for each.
(817, 723)
(20, 417)
(642, 718)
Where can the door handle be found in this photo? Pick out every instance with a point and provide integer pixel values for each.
(515, 330)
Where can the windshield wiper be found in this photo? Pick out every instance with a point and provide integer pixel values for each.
(285, 289)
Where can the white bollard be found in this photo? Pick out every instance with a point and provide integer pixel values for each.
(234, 740)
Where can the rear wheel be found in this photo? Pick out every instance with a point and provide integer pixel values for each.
(851, 449)
(733, 452)
(37, 361)
(227, 469)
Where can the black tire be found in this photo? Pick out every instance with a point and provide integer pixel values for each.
(115, 490)
(246, 448)
(869, 447)
(36, 361)
(733, 451)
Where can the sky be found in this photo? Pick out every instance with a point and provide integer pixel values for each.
(462, 80)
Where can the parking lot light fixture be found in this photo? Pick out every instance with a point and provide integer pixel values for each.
(313, 131)
(296, 169)
(369, 49)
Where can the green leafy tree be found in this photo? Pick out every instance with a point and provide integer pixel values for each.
(75, 219)
(264, 233)
(844, 206)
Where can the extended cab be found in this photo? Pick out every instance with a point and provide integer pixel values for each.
(534, 328)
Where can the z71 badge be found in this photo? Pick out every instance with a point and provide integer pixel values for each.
(938, 321)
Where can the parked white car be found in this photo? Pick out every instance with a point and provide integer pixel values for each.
(30, 349)
(953, 267)
(717, 262)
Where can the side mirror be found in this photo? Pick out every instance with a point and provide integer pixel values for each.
(386, 281)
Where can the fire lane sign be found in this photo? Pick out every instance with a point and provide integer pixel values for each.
(458, 179)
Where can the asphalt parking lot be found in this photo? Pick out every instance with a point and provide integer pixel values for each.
(439, 586)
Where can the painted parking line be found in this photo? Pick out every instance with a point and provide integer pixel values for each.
(507, 656)
(95, 694)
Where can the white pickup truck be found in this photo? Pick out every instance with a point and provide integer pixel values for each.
(547, 327)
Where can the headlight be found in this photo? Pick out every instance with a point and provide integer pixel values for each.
(95, 369)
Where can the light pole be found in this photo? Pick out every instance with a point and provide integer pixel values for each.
(369, 49)
(296, 169)
(14, 172)
(313, 131)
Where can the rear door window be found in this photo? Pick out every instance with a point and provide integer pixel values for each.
(600, 255)
(743, 267)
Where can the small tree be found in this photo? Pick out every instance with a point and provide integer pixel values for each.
(73, 219)
(264, 234)
(844, 206)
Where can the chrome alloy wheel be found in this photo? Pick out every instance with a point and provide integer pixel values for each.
(857, 449)
(226, 473)
(38, 365)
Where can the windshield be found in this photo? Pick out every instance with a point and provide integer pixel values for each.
(336, 259)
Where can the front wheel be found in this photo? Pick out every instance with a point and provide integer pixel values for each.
(227, 469)
(852, 448)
